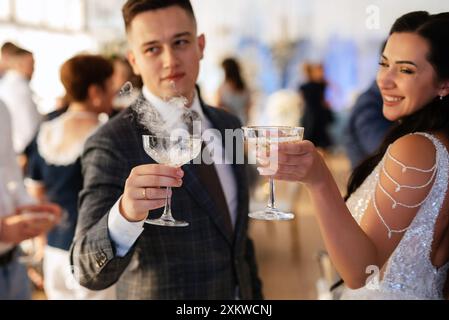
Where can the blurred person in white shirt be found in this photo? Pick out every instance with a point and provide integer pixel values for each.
(6, 50)
(20, 218)
(16, 93)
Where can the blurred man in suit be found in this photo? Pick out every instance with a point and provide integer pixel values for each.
(367, 125)
(212, 258)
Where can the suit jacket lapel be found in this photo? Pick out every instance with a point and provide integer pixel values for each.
(238, 170)
(239, 174)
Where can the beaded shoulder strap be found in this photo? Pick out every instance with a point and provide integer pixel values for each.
(399, 186)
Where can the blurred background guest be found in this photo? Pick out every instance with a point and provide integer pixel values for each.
(55, 170)
(20, 218)
(233, 94)
(127, 84)
(6, 50)
(16, 93)
(317, 114)
(367, 125)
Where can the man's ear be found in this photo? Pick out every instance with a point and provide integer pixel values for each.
(132, 61)
(201, 44)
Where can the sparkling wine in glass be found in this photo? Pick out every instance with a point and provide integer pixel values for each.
(174, 151)
(263, 140)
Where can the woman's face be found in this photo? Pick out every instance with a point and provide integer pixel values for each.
(406, 78)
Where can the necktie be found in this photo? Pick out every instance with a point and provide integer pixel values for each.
(209, 178)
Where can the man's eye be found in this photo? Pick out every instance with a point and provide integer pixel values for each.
(383, 64)
(181, 42)
(152, 49)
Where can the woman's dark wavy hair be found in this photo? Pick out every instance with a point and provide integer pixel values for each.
(434, 116)
(233, 74)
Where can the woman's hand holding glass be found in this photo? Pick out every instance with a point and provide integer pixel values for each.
(264, 142)
(295, 161)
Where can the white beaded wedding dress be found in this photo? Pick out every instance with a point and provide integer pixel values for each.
(409, 273)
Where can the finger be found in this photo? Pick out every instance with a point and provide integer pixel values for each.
(148, 193)
(147, 205)
(52, 208)
(289, 159)
(151, 181)
(158, 169)
(266, 171)
(288, 169)
(285, 177)
(39, 224)
(45, 208)
(296, 148)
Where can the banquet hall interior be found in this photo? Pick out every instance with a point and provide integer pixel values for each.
(276, 43)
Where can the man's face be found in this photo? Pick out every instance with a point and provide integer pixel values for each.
(24, 64)
(28, 65)
(165, 51)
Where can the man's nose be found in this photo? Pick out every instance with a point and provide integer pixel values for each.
(170, 60)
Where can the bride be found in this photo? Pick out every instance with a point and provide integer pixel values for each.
(395, 221)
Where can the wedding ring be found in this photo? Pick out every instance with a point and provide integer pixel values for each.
(144, 193)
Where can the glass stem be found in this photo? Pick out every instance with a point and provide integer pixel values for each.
(271, 202)
(167, 210)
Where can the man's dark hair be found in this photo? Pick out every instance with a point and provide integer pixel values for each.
(133, 7)
(11, 49)
(8, 48)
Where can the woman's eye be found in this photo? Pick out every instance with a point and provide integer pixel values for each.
(383, 64)
(407, 71)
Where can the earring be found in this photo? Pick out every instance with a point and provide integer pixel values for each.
(441, 98)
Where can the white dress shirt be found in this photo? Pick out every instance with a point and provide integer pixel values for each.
(16, 93)
(124, 233)
(12, 190)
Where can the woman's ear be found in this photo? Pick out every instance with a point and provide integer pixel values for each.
(444, 89)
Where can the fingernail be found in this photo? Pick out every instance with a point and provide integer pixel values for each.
(180, 173)
(266, 171)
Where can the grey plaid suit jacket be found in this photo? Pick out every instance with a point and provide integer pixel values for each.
(202, 261)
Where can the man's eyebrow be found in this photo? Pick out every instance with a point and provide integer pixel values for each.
(182, 34)
(149, 43)
(178, 35)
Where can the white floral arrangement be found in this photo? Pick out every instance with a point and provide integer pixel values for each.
(284, 108)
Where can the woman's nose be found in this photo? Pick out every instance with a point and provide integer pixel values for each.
(385, 79)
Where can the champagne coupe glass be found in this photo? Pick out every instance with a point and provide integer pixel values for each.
(262, 139)
(172, 150)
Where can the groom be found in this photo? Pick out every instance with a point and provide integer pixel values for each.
(212, 258)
